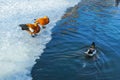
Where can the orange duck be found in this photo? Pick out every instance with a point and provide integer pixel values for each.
(32, 29)
(42, 21)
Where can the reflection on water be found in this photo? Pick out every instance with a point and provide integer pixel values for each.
(64, 59)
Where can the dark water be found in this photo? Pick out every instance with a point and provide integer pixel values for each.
(64, 58)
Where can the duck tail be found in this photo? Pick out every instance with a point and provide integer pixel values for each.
(24, 27)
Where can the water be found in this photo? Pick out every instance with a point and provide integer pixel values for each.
(18, 50)
(64, 58)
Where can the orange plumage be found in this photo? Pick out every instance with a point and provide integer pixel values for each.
(35, 27)
(42, 21)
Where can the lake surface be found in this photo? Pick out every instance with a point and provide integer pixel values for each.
(64, 59)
